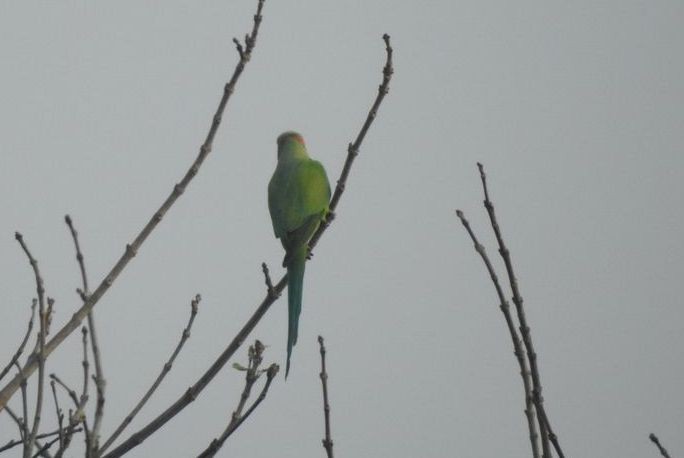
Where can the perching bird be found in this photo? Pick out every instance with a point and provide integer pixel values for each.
(298, 198)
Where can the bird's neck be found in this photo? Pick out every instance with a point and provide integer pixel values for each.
(293, 151)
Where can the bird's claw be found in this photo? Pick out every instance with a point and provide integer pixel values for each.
(329, 217)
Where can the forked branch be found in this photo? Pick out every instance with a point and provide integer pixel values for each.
(252, 374)
(544, 424)
(132, 248)
(185, 335)
(533, 393)
(18, 421)
(518, 350)
(100, 383)
(22, 345)
(191, 394)
(354, 148)
(40, 353)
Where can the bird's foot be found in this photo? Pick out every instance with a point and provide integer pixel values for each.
(329, 217)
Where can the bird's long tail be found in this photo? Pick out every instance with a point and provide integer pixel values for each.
(295, 282)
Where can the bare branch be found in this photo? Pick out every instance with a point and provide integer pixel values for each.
(72, 394)
(18, 421)
(58, 411)
(194, 305)
(22, 345)
(79, 255)
(271, 372)
(100, 383)
(252, 374)
(40, 289)
(238, 46)
(75, 417)
(656, 441)
(327, 441)
(58, 432)
(132, 248)
(191, 393)
(69, 430)
(518, 350)
(544, 424)
(354, 148)
(23, 425)
(48, 315)
(85, 364)
(267, 279)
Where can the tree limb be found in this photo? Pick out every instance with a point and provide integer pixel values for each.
(518, 350)
(42, 315)
(544, 424)
(132, 248)
(100, 383)
(22, 345)
(18, 421)
(327, 441)
(191, 393)
(194, 305)
(252, 374)
(656, 441)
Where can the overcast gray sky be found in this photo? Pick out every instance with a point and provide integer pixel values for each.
(576, 110)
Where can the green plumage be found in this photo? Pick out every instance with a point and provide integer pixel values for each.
(298, 198)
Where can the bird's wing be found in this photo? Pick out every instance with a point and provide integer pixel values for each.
(298, 198)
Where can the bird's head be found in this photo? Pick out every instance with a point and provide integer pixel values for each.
(291, 144)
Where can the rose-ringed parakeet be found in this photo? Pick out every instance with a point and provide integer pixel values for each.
(298, 198)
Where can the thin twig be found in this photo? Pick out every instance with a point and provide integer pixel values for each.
(255, 357)
(194, 305)
(518, 350)
(68, 431)
(18, 420)
(23, 426)
(85, 364)
(267, 279)
(132, 248)
(74, 420)
(22, 345)
(327, 441)
(43, 450)
(544, 424)
(252, 374)
(40, 289)
(100, 383)
(48, 315)
(191, 393)
(271, 373)
(656, 441)
(48, 320)
(79, 255)
(354, 148)
(84, 393)
(14, 443)
(75, 417)
(60, 414)
(72, 394)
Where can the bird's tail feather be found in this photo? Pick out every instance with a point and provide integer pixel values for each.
(295, 282)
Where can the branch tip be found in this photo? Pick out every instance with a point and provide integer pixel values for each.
(188, 396)
(327, 440)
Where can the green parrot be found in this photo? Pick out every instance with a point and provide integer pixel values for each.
(298, 199)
